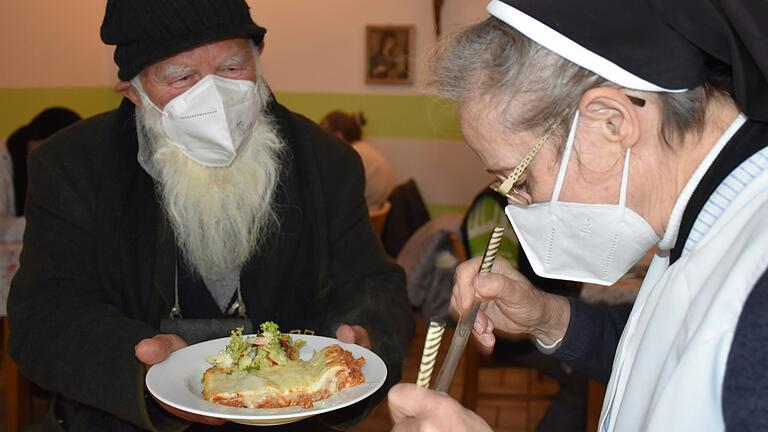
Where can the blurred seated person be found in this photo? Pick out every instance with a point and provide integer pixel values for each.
(25, 139)
(379, 176)
(199, 205)
(408, 213)
(7, 198)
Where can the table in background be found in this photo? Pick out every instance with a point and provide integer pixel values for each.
(16, 388)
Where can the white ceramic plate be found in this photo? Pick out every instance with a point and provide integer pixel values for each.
(177, 382)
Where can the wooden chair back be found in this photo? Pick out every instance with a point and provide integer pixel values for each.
(379, 217)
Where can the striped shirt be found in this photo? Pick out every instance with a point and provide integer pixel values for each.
(724, 195)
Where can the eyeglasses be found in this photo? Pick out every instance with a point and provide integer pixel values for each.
(508, 187)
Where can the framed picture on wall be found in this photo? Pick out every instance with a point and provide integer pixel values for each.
(387, 54)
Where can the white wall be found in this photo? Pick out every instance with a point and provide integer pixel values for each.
(446, 171)
(319, 46)
(53, 43)
(313, 46)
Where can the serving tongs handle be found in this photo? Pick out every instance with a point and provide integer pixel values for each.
(467, 320)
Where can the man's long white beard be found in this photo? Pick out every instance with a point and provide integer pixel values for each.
(220, 216)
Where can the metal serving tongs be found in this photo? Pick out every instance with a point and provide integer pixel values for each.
(467, 320)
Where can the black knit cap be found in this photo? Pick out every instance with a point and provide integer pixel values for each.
(146, 31)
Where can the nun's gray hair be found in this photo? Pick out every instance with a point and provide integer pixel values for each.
(494, 63)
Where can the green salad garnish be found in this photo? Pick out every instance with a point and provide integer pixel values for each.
(267, 349)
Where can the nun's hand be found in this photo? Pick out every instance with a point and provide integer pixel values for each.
(415, 409)
(512, 305)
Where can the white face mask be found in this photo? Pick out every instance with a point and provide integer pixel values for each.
(210, 120)
(595, 243)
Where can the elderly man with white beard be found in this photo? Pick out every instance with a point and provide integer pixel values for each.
(200, 199)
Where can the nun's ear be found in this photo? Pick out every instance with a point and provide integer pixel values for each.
(612, 115)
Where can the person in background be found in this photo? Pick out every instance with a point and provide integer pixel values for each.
(27, 138)
(614, 127)
(199, 205)
(7, 195)
(379, 176)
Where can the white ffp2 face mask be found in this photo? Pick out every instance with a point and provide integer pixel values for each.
(594, 243)
(211, 120)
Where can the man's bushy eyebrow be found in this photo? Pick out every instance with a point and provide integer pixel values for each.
(235, 60)
(174, 70)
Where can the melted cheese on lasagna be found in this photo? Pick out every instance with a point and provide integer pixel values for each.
(297, 383)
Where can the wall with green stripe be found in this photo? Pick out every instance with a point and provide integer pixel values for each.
(390, 116)
(19, 105)
(419, 134)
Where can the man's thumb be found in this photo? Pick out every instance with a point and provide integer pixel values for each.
(157, 349)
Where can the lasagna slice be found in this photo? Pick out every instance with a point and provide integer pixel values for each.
(299, 383)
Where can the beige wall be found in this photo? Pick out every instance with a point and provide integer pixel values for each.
(312, 46)
(53, 43)
(319, 45)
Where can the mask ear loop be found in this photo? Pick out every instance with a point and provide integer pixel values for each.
(565, 160)
(136, 83)
(624, 183)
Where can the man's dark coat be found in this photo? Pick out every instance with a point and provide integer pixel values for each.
(97, 266)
